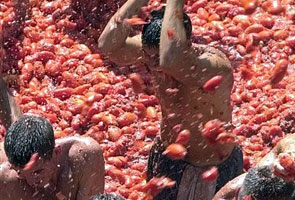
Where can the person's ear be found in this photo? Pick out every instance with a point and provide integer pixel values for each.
(32, 161)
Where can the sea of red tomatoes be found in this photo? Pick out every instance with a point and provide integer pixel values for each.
(53, 67)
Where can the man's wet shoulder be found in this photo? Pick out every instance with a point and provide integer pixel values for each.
(76, 140)
(83, 147)
(7, 174)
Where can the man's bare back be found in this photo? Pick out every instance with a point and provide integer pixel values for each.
(75, 172)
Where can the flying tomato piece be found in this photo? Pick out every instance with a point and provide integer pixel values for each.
(211, 174)
(135, 21)
(183, 137)
(175, 151)
(212, 84)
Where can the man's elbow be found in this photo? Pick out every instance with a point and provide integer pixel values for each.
(102, 46)
(105, 46)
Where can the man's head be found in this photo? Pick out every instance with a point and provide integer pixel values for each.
(152, 31)
(107, 197)
(261, 184)
(31, 137)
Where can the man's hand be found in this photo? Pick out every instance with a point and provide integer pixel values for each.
(282, 158)
(284, 166)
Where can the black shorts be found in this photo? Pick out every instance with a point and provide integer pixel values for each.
(160, 165)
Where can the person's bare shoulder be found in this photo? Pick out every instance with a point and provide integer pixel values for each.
(207, 54)
(82, 152)
(82, 146)
(6, 173)
(10, 185)
(87, 163)
(79, 147)
(7, 178)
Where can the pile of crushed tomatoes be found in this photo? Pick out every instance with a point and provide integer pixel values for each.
(53, 67)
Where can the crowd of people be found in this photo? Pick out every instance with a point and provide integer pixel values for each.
(35, 165)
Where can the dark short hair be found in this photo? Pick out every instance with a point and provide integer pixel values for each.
(27, 136)
(261, 184)
(152, 31)
(107, 197)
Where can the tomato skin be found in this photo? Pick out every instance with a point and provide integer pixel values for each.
(212, 84)
(211, 174)
(175, 151)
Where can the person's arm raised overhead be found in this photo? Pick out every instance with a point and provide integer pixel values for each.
(115, 41)
(175, 45)
(178, 57)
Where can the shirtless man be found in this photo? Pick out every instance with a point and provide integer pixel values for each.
(177, 65)
(36, 166)
(261, 183)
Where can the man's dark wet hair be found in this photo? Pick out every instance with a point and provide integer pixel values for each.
(262, 184)
(107, 197)
(27, 136)
(152, 31)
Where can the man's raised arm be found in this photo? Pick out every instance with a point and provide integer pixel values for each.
(175, 46)
(114, 40)
(178, 57)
